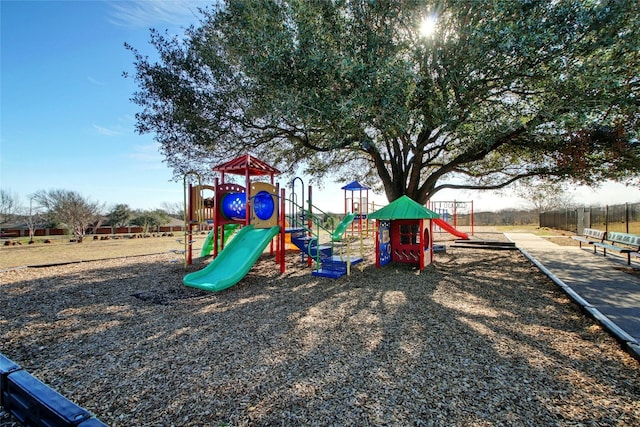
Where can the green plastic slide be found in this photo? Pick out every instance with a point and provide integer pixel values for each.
(234, 262)
(336, 236)
(207, 247)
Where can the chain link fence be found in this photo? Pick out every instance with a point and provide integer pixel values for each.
(622, 218)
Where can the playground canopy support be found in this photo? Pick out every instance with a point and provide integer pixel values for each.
(257, 207)
(357, 205)
(255, 203)
(247, 166)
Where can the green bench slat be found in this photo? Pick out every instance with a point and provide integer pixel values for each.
(631, 244)
(614, 247)
(590, 236)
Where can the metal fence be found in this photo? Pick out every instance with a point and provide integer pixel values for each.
(623, 218)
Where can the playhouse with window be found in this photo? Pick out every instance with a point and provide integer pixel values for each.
(404, 233)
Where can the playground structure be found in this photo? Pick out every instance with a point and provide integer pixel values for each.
(198, 211)
(323, 244)
(403, 235)
(357, 202)
(454, 215)
(256, 216)
(255, 207)
(256, 213)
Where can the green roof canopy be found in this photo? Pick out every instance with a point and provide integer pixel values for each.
(404, 208)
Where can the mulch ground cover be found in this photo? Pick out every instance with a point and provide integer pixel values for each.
(480, 338)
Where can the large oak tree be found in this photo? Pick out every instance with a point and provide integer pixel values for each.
(499, 91)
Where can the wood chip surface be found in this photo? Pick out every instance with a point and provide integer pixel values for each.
(480, 338)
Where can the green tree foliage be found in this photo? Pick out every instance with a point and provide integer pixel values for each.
(150, 220)
(119, 216)
(500, 91)
(69, 209)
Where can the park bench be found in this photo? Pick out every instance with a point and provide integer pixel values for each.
(624, 243)
(590, 236)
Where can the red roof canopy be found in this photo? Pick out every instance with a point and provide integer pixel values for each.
(240, 165)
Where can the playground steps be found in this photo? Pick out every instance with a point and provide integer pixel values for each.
(484, 244)
(439, 249)
(334, 267)
(294, 230)
(309, 246)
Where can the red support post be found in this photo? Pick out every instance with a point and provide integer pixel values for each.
(282, 232)
(310, 226)
(247, 192)
(472, 221)
(189, 245)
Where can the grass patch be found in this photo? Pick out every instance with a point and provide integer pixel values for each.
(60, 250)
(526, 228)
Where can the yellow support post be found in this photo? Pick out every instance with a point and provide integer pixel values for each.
(187, 215)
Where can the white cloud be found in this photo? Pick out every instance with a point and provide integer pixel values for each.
(95, 81)
(106, 131)
(147, 157)
(146, 13)
(128, 119)
(124, 125)
(609, 193)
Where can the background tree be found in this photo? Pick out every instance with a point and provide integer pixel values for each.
(33, 219)
(150, 220)
(174, 209)
(70, 210)
(500, 91)
(119, 216)
(9, 206)
(544, 196)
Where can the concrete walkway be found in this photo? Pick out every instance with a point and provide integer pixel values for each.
(600, 285)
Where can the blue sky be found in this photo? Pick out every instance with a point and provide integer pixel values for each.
(66, 120)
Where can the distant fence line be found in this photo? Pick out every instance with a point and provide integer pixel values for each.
(623, 218)
(100, 230)
(503, 217)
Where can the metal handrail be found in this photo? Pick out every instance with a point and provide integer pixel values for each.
(317, 223)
